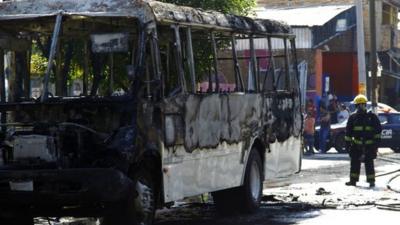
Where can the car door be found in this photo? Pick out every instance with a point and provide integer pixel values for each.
(387, 131)
(394, 125)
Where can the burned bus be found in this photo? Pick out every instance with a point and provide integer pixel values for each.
(174, 102)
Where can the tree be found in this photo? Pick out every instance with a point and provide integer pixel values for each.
(239, 7)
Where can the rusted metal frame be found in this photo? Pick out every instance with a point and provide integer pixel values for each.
(224, 29)
(157, 65)
(210, 83)
(215, 60)
(238, 77)
(2, 90)
(58, 68)
(111, 81)
(242, 57)
(167, 77)
(178, 54)
(86, 67)
(287, 63)
(156, 55)
(190, 58)
(12, 75)
(52, 53)
(140, 59)
(271, 62)
(147, 81)
(258, 73)
(295, 63)
(27, 78)
(254, 64)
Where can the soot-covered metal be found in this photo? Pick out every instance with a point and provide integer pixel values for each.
(92, 144)
(208, 120)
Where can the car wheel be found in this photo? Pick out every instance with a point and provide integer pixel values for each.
(340, 143)
(22, 220)
(246, 198)
(138, 210)
(397, 150)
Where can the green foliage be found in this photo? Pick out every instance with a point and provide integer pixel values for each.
(38, 64)
(239, 7)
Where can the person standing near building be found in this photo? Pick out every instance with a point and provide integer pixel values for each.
(325, 127)
(309, 130)
(343, 114)
(333, 108)
(363, 133)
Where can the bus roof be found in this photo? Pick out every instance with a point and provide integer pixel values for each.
(144, 10)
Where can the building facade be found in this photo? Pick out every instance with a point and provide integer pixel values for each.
(332, 24)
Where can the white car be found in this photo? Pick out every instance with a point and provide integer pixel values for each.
(382, 108)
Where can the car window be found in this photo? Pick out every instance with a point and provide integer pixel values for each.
(383, 119)
(395, 118)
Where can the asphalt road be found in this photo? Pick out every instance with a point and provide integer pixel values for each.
(315, 196)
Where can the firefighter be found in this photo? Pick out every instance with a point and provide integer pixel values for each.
(363, 133)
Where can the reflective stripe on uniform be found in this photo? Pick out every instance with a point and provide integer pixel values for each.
(354, 175)
(377, 136)
(360, 142)
(369, 128)
(347, 138)
(369, 142)
(357, 128)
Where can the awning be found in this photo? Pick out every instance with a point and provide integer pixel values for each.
(304, 16)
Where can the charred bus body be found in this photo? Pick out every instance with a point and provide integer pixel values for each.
(162, 136)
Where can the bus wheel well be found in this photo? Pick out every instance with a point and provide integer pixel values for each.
(152, 164)
(259, 146)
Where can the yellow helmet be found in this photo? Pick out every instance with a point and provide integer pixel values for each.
(360, 99)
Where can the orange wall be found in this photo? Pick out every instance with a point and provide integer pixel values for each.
(342, 69)
(318, 71)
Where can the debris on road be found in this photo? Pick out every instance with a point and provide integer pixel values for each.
(322, 191)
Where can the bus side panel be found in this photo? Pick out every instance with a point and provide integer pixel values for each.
(213, 154)
(283, 158)
(211, 119)
(283, 129)
(188, 174)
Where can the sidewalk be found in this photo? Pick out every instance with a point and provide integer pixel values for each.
(331, 159)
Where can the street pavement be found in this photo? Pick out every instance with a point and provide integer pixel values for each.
(331, 158)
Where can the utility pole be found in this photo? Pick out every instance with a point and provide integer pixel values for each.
(362, 74)
(373, 57)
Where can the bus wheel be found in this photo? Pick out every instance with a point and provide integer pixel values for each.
(246, 198)
(22, 220)
(396, 150)
(145, 203)
(251, 191)
(138, 210)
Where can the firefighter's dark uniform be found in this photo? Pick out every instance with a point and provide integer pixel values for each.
(363, 133)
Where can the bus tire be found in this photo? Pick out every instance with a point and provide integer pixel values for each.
(145, 203)
(246, 198)
(226, 201)
(251, 191)
(139, 209)
(21, 220)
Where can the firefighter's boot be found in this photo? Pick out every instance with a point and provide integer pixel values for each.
(351, 183)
